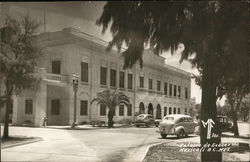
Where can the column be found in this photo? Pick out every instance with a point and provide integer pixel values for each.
(40, 103)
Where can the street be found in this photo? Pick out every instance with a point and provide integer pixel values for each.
(90, 144)
(116, 144)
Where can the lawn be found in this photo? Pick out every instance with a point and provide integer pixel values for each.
(167, 153)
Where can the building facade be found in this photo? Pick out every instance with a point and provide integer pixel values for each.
(156, 88)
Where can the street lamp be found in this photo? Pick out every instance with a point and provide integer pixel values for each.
(75, 88)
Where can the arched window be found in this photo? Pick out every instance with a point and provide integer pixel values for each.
(158, 111)
(141, 108)
(150, 109)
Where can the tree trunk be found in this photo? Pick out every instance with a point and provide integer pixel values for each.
(110, 119)
(234, 115)
(235, 124)
(7, 112)
(208, 110)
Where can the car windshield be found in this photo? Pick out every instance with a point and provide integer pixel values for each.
(168, 118)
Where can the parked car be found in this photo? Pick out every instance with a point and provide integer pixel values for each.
(145, 120)
(177, 124)
(224, 123)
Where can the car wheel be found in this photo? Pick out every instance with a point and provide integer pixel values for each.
(181, 134)
(137, 126)
(163, 136)
(147, 125)
(156, 124)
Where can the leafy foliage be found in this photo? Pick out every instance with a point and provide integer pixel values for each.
(111, 100)
(18, 52)
(18, 55)
(163, 25)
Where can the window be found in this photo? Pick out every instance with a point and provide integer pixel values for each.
(56, 67)
(179, 91)
(158, 85)
(165, 111)
(102, 110)
(121, 80)
(103, 76)
(170, 110)
(84, 107)
(179, 110)
(141, 81)
(121, 110)
(150, 84)
(112, 77)
(170, 89)
(130, 81)
(28, 106)
(174, 90)
(186, 93)
(165, 88)
(185, 110)
(174, 111)
(84, 72)
(129, 110)
(55, 107)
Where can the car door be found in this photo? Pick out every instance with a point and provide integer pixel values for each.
(181, 122)
(191, 125)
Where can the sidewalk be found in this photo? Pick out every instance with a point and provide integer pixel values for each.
(81, 127)
(56, 146)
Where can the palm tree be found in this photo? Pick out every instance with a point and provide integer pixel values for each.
(111, 100)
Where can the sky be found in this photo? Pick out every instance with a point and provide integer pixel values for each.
(55, 16)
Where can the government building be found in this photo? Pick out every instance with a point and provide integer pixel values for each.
(157, 88)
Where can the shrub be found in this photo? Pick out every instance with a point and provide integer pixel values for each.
(126, 121)
(97, 123)
(82, 123)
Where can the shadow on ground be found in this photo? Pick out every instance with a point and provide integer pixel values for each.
(232, 136)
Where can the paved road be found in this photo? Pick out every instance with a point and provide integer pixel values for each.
(116, 144)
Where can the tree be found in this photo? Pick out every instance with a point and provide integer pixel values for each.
(224, 110)
(245, 108)
(206, 29)
(17, 57)
(111, 100)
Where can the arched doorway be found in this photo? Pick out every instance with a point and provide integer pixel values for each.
(158, 111)
(150, 109)
(141, 108)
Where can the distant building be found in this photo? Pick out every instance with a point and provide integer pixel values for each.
(157, 88)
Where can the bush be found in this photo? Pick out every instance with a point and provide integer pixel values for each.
(97, 123)
(82, 123)
(126, 121)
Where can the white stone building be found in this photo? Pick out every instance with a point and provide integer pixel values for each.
(156, 88)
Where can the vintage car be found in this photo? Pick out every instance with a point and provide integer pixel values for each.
(177, 124)
(144, 120)
(224, 123)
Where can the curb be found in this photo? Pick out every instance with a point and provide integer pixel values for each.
(22, 143)
(143, 149)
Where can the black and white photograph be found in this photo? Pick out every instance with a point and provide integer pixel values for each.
(125, 81)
